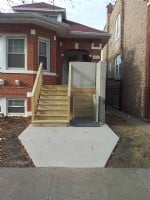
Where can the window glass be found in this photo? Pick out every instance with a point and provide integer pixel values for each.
(42, 48)
(44, 53)
(16, 106)
(53, 17)
(118, 67)
(16, 45)
(118, 26)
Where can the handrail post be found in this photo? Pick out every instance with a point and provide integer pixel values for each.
(69, 91)
(36, 90)
(69, 80)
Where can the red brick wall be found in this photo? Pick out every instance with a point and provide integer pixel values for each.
(32, 42)
(10, 88)
(27, 80)
(69, 44)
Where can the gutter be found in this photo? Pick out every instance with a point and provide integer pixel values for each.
(20, 16)
(90, 34)
(33, 18)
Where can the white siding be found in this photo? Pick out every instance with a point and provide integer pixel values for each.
(3, 52)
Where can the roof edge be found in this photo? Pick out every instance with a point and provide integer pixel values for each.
(39, 9)
(26, 15)
(105, 34)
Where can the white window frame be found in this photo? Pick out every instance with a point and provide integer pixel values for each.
(47, 41)
(94, 46)
(25, 51)
(15, 114)
(117, 72)
(118, 27)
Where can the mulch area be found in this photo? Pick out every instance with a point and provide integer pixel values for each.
(133, 149)
(12, 153)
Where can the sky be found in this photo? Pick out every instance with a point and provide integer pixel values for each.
(89, 12)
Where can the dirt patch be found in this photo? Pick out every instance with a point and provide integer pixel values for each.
(12, 152)
(133, 149)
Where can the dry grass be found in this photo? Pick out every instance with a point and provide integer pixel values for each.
(133, 149)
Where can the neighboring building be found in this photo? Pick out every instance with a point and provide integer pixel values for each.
(128, 56)
(37, 33)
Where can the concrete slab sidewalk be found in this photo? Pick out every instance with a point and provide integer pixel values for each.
(74, 184)
(79, 147)
(141, 125)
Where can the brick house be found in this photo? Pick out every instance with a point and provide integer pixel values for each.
(35, 33)
(127, 54)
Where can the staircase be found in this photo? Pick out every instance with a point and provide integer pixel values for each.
(53, 106)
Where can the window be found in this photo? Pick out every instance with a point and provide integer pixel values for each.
(16, 52)
(109, 70)
(44, 53)
(111, 32)
(53, 17)
(16, 106)
(118, 25)
(118, 67)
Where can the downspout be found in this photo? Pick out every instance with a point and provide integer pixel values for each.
(122, 31)
(147, 70)
(109, 11)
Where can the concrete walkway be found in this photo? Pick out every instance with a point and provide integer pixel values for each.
(79, 147)
(74, 184)
(141, 125)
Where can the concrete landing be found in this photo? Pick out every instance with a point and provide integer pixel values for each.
(74, 184)
(76, 147)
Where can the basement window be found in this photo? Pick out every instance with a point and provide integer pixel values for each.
(16, 106)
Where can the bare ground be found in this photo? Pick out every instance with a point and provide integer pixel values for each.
(12, 152)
